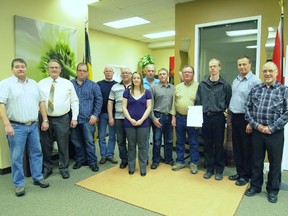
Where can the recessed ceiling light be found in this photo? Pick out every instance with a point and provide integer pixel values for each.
(160, 34)
(133, 21)
(241, 32)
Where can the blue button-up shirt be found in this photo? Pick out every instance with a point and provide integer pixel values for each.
(90, 99)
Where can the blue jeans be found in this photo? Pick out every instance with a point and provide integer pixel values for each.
(167, 131)
(25, 135)
(106, 149)
(82, 138)
(121, 140)
(181, 129)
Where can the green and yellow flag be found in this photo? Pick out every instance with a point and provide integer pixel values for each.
(87, 58)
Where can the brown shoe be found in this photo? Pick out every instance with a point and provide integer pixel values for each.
(103, 160)
(112, 160)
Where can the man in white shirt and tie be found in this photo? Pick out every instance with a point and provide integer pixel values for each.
(60, 99)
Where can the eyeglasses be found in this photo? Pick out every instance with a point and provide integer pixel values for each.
(56, 67)
(84, 71)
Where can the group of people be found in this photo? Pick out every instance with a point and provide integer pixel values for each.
(69, 110)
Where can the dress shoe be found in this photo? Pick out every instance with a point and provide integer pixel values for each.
(46, 174)
(42, 183)
(154, 166)
(94, 167)
(143, 174)
(172, 163)
(77, 165)
(252, 191)
(112, 160)
(65, 175)
(123, 165)
(272, 197)
(218, 176)
(131, 172)
(103, 160)
(20, 191)
(234, 177)
(208, 175)
(241, 182)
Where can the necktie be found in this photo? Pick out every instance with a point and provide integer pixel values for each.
(51, 98)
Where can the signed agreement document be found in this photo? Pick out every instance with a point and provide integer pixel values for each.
(195, 116)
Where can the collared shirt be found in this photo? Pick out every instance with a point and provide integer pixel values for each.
(90, 99)
(185, 96)
(21, 99)
(116, 95)
(241, 87)
(268, 106)
(65, 97)
(214, 96)
(147, 85)
(162, 98)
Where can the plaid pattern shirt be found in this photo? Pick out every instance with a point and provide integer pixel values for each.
(268, 106)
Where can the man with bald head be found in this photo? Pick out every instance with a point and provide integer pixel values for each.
(267, 114)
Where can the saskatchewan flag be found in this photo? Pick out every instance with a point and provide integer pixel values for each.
(87, 56)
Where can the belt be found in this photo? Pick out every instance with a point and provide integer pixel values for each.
(166, 113)
(21, 123)
(213, 113)
(184, 116)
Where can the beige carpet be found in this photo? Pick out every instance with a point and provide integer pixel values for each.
(168, 192)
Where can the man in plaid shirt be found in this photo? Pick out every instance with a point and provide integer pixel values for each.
(267, 114)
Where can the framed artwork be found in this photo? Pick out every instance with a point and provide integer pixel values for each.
(37, 42)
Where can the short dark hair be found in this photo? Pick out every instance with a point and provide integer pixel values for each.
(188, 66)
(18, 60)
(80, 64)
(247, 57)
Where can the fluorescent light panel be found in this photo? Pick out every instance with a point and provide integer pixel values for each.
(160, 34)
(133, 21)
(241, 32)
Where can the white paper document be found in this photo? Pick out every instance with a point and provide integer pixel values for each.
(195, 116)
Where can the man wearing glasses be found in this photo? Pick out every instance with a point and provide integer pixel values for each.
(90, 103)
(60, 98)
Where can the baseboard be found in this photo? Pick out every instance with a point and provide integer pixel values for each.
(5, 171)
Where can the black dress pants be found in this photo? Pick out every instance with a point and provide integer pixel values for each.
(273, 144)
(242, 146)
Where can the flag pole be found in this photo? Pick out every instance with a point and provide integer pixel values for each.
(281, 4)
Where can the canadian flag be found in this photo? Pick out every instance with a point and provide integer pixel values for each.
(277, 57)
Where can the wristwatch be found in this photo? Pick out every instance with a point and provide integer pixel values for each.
(46, 121)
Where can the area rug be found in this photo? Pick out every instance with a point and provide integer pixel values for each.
(168, 192)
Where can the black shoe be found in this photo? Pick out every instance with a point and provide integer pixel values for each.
(77, 165)
(112, 160)
(252, 191)
(94, 167)
(131, 172)
(103, 160)
(218, 176)
(208, 175)
(143, 174)
(123, 165)
(46, 174)
(65, 175)
(20, 191)
(241, 182)
(234, 177)
(42, 183)
(154, 166)
(272, 197)
(170, 163)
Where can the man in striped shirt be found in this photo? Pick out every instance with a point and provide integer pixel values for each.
(267, 114)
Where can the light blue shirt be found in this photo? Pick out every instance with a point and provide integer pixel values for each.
(21, 99)
(147, 84)
(241, 87)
